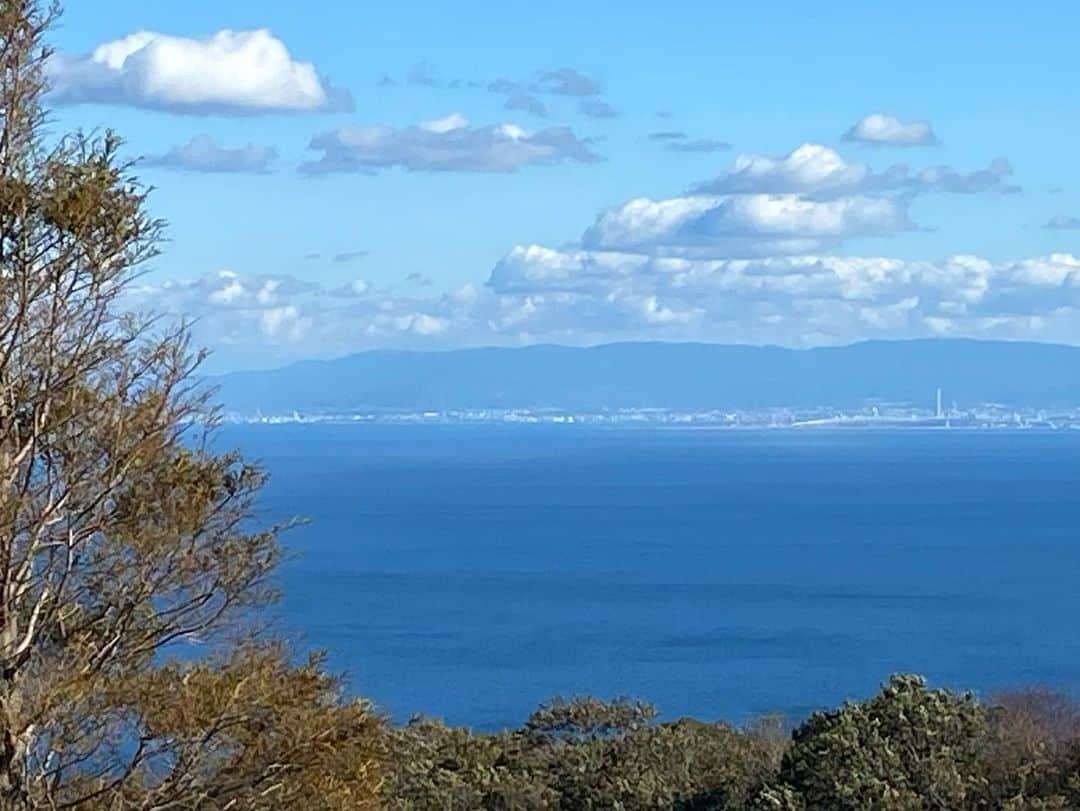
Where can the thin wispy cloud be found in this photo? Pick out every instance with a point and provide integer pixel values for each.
(569, 82)
(448, 144)
(699, 145)
(527, 103)
(423, 75)
(203, 154)
(349, 256)
(678, 141)
(597, 108)
(565, 82)
(1062, 223)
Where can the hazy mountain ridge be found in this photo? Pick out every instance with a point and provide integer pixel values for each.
(666, 375)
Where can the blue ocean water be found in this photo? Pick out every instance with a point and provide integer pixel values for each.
(472, 572)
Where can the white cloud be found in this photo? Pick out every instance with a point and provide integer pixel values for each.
(226, 72)
(226, 290)
(808, 168)
(791, 300)
(448, 144)
(878, 128)
(748, 264)
(422, 324)
(448, 123)
(585, 296)
(710, 226)
(819, 170)
(357, 287)
(203, 154)
(283, 323)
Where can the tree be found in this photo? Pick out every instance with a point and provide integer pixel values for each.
(124, 538)
(581, 754)
(908, 747)
(1034, 756)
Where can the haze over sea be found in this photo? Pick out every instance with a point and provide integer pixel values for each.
(472, 572)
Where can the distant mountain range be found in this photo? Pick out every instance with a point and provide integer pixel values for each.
(666, 375)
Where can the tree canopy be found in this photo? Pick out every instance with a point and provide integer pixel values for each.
(124, 538)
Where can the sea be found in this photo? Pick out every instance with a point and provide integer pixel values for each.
(472, 572)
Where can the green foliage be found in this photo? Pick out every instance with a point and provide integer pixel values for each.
(441, 768)
(908, 747)
(135, 669)
(586, 719)
(582, 754)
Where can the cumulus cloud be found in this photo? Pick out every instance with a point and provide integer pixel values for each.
(809, 168)
(817, 169)
(751, 261)
(878, 128)
(710, 226)
(800, 299)
(284, 317)
(237, 307)
(203, 154)
(448, 144)
(581, 296)
(227, 72)
(1062, 223)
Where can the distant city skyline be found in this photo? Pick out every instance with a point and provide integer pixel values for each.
(998, 376)
(341, 177)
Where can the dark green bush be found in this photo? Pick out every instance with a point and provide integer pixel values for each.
(908, 747)
(583, 754)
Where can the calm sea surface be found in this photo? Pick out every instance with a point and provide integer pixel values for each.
(470, 573)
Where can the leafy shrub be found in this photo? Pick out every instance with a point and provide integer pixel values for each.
(582, 754)
(1034, 757)
(906, 748)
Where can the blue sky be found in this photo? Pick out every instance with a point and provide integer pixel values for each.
(425, 192)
